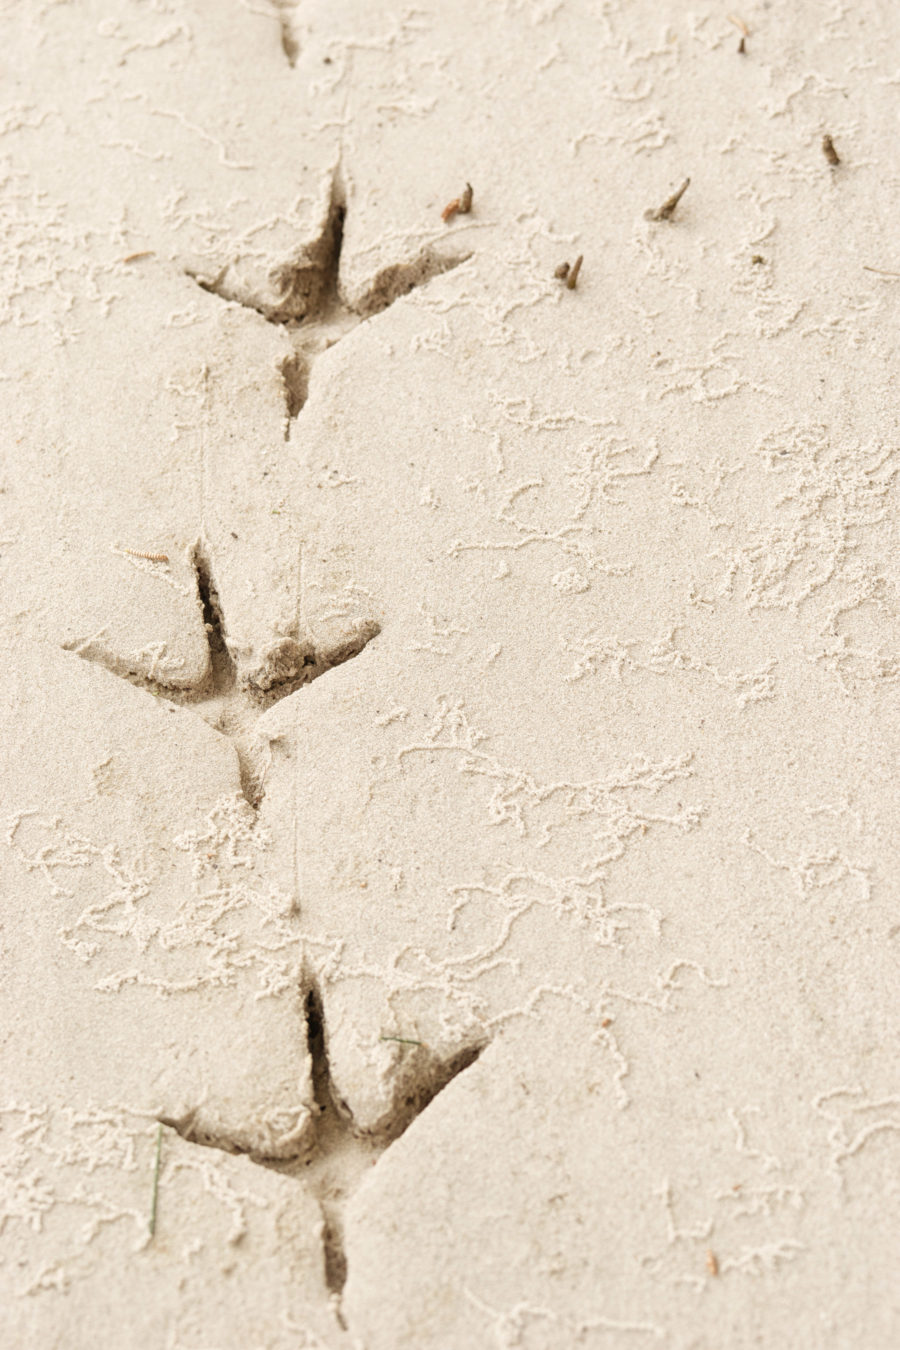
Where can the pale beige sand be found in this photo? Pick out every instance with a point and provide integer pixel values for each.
(480, 812)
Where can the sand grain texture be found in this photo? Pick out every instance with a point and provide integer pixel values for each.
(470, 832)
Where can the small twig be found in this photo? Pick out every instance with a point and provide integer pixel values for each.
(712, 1262)
(829, 151)
(744, 32)
(401, 1039)
(667, 210)
(880, 271)
(568, 272)
(133, 257)
(154, 1198)
(150, 557)
(460, 206)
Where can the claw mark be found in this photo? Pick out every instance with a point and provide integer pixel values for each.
(295, 375)
(230, 706)
(342, 1153)
(289, 44)
(306, 298)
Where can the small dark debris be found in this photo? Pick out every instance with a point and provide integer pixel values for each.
(572, 278)
(569, 273)
(829, 151)
(667, 210)
(460, 206)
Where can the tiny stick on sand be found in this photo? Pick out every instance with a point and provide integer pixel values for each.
(154, 1198)
(667, 210)
(744, 32)
(460, 206)
(569, 273)
(829, 151)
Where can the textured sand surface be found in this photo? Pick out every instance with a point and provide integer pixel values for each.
(449, 718)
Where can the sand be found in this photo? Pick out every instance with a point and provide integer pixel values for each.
(450, 719)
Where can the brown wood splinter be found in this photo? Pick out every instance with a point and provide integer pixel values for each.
(744, 32)
(460, 206)
(712, 1262)
(667, 210)
(149, 557)
(568, 272)
(133, 257)
(829, 151)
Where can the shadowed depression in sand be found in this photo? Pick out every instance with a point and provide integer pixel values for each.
(451, 639)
